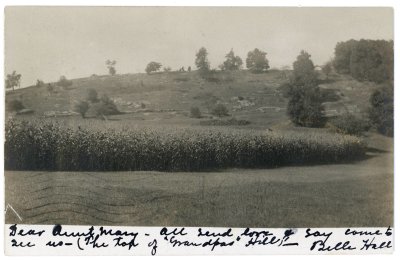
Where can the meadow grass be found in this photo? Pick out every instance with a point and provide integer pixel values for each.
(48, 145)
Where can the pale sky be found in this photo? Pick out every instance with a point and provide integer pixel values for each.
(47, 42)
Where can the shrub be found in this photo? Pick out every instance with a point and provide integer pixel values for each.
(50, 146)
(50, 88)
(195, 112)
(64, 82)
(327, 69)
(305, 106)
(350, 124)
(92, 95)
(15, 105)
(81, 107)
(381, 110)
(40, 83)
(105, 107)
(220, 110)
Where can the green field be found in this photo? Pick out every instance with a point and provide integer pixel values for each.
(359, 193)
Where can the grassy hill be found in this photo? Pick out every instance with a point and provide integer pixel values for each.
(336, 194)
(166, 98)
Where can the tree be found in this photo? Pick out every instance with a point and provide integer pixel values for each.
(327, 69)
(64, 82)
(305, 102)
(152, 67)
(92, 95)
(39, 83)
(371, 60)
(256, 61)
(201, 61)
(232, 62)
(13, 80)
(82, 107)
(305, 106)
(195, 112)
(111, 67)
(381, 110)
(303, 69)
(50, 88)
(341, 61)
(15, 105)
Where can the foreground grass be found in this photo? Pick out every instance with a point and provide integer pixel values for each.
(50, 146)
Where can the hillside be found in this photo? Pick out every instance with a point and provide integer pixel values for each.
(166, 98)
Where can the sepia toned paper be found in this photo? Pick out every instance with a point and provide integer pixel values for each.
(198, 130)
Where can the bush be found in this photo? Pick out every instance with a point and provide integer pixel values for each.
(81, 107)
(381, 110)
(350, 124)
(305, 106)
(92, 95)
(105, 107)
(220, 110)
(50, 88)
(49, 146)
(64, 82)
(327, 69)
(195, 112)
(15, 105)
(40, 83)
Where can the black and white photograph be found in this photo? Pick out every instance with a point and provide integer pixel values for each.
(262, 117)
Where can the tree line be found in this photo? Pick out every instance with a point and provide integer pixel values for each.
(365, 60)
(256, 62)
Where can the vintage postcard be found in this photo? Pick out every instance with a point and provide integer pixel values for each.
(198, 130)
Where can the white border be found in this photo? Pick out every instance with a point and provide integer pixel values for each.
(293, 3)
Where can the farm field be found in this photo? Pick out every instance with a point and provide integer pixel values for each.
(339, 195)
(359, 193)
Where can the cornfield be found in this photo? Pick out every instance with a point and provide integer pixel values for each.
(54, 147)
